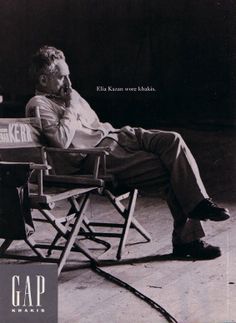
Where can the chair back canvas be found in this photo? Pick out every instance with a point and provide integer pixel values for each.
(19, 133)
(20, 140)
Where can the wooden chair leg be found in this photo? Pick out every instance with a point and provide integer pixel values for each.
(72, 235)
(91, 234)
(136, 225)
(66, 222)
(121, 209)
(126, 212)
(128, 219)
(29, 241)
(33, 245)
(53, 244)
(5, 245)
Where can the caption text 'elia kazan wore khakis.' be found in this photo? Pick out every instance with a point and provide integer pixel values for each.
(145, 159)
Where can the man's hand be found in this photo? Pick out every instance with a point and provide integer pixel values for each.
(66, 95)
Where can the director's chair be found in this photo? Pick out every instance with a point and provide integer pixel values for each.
(123, 199)
(20, 139)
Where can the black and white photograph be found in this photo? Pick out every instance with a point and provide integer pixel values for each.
(117, 161)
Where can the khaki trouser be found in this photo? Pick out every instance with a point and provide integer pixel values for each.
(159, 161)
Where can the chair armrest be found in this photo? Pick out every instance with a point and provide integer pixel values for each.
(40, 166)
(98, 152)
(32, 165)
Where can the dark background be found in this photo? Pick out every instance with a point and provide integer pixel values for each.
(186, 50)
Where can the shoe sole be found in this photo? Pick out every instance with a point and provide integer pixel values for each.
(218, 219)
(192, 257)
(189, 257)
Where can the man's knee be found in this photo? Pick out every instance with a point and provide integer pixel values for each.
(161, 141)
(173, 137)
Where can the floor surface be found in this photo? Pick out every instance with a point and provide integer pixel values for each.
(191, 291)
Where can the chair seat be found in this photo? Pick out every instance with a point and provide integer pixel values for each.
(70, 181)
(53, 194)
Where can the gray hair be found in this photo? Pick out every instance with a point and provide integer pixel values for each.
(45, 61)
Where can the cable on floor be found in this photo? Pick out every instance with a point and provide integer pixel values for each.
(169, 318)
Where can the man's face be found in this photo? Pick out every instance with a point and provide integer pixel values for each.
(59, 79)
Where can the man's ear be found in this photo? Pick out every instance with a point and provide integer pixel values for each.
(43, 80)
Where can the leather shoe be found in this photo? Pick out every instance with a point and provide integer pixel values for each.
(197, 249)
(208, 210)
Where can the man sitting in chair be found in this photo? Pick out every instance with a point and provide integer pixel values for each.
(144, 159)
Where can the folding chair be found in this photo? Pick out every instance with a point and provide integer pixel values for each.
(19, 141)
(126, 210)
(24, 136)
(116, 195)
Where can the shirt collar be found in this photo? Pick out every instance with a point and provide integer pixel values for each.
(37, 92)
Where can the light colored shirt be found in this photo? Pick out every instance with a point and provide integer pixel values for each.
(77, 126)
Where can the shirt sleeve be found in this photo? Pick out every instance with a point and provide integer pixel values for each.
(58, 124)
